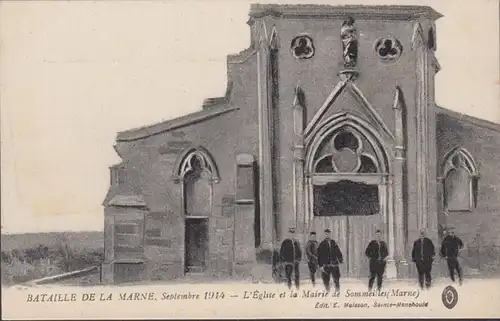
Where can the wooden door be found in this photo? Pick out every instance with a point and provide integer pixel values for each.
(196, 244)
(352, 233)
(360, 230)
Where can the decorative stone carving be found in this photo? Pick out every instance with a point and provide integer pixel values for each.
(388, 48)
(349, 43)
(345, 154)
(302, 47)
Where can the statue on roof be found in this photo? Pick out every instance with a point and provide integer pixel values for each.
(349, 43)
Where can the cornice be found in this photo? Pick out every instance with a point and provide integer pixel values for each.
(121, 200)
(147, 131)
(358, 12)
(468, 119)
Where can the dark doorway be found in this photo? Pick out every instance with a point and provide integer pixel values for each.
(196, 244)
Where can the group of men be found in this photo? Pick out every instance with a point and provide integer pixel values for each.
(327, 256)
(423, 254)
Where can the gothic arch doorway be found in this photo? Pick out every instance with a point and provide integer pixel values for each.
(347, 189)
(196, 173)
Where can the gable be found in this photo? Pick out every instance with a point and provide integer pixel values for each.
(346, 97)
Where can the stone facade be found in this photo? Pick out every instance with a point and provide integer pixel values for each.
(481, 140)
(352, 85)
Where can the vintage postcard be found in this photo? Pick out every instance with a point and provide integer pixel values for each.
(346, 166)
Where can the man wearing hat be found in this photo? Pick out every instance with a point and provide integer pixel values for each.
(423, 255)
(377, 252)
(290, 255)
(329, 258)
(449, 250)
(312, 256)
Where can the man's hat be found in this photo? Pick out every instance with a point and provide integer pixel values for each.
(327, 230)
(378, 231)
(312, 233)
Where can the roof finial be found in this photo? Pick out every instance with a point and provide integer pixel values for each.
(299, 97)
(274, 39)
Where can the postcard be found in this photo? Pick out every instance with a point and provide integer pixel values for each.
(235, 159)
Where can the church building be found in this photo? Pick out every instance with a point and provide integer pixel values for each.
(328, 121)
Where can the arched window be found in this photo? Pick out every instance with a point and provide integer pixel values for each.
(197, 173)
(345, 152)
(460, 178)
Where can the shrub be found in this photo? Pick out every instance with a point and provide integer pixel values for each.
(42, 261)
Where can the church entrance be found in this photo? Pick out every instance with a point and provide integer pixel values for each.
(197, 173)
(351, 210)
(347, 192)
(196, 244)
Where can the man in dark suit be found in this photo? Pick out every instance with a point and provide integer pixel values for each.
(423, 255)
(329, 258)
(377, 252)
(312, 256)
(449, 250)
(290, 256)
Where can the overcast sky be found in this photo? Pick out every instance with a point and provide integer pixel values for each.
(75, 73)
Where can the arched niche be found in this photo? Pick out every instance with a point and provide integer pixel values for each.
(196, 171)
(460, 181)
(183, 164)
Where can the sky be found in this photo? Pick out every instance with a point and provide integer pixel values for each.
(73, 74)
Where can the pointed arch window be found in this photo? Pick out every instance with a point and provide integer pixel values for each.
(460, 181)
(346, 172)
(197, 172)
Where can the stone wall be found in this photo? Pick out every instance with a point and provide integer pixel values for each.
(482, 140)
(151, 156)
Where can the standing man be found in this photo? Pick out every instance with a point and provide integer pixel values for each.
(449, 250)
(423, 255)
(312, 256)
(290, 256)
(329, 258)
(377, 252)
